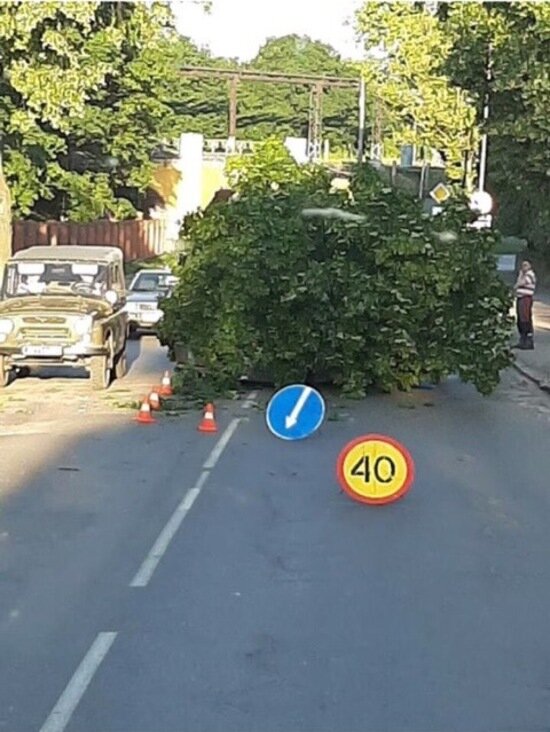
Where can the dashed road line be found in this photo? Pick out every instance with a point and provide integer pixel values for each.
(150, 563)
(62, 712)
(145, 572)
(75, 689)
(216, 453)
(249, 401)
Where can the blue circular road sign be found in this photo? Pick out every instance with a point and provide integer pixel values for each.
(295, 412)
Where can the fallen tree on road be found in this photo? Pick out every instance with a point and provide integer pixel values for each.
(382, 295)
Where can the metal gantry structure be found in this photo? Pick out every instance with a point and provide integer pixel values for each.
(317, 84)
(315, 123)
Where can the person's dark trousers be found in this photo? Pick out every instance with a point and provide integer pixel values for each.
(524, 309)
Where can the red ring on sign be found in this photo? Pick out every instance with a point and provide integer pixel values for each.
(379, 438)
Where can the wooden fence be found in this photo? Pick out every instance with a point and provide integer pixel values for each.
(137, 239)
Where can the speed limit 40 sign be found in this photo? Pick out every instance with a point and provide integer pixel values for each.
(375, 469)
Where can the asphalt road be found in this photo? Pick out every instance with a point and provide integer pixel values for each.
(271, 602)
(58, 394)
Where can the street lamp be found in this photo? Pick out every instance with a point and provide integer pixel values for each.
(484, 136)
(481, 202)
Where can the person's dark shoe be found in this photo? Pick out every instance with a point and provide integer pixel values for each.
(525, 343)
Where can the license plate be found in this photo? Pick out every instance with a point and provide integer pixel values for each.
(42, 350)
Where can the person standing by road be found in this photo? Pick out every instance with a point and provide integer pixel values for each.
(524, 290)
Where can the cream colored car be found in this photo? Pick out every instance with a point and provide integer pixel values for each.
(64, 306)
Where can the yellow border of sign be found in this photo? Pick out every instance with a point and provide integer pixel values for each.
(440, 193)
(390, 485)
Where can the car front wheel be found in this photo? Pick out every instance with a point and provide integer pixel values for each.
(4, 373)
(121, 366)
(100, 373)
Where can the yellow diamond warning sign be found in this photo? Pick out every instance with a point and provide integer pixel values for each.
(440, 193)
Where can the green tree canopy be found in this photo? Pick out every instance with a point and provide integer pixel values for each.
(271, 109)
(88, 90)
(514, 40)
(267, 109)
(377, 293)
(415, 102)
(85, 92)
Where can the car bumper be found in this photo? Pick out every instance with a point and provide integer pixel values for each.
(52, 355)
(145, 321)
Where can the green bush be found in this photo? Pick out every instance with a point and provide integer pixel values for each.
(385, 297)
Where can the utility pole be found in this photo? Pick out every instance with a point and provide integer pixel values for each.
(361, 137)
(232, 137)
(314, 147)
(486, 110)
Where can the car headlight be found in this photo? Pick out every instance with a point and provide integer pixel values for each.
(132, 307)
(83, 325)
(6, 326)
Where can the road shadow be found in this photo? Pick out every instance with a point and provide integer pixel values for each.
(58, 526)
(272, 545)
(81, 503)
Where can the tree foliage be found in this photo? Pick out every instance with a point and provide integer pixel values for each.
(513, 39)
(415, 103)
(84, 99)
(88, 90)
(267, 109)
(431, 90)
(385, 300)
(201, 105)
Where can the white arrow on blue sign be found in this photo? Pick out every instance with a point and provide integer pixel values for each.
(295, 412)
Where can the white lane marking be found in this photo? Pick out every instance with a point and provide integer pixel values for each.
(70, 698)
(250, 399)
(220, 446)
(192, 496)
(145, 572)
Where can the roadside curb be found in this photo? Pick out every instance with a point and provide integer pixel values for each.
(532, 376)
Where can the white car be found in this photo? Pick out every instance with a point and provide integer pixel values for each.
(142, 303)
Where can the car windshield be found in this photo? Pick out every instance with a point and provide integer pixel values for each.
(54, 278)
(152, 282)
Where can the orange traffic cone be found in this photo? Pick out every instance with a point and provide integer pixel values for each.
(154, 398)
(166, 386)
(144, 414)
(208, 422)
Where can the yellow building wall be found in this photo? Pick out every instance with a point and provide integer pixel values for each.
(168, 182)
(213, 178)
